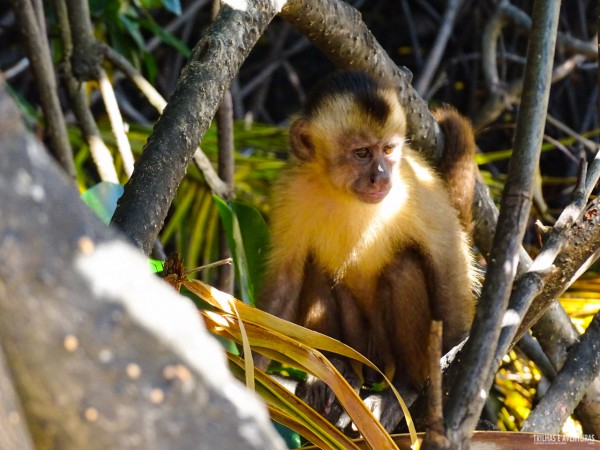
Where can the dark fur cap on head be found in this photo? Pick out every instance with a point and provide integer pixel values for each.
(363, 87)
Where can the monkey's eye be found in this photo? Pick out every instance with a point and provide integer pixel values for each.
(388, 149)
(362, 153)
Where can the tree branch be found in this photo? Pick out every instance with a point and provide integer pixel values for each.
(213, 64)
(41, 63)
(581, 367)
(75, 90)
(476, 375)
(437, 51)
(87, 57)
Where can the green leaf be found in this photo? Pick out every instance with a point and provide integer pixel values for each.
(133, 29)
(255, 238)
(149, 4)
(102, 199)
(156, 265)
(248, 239)
(236, 245)
(165, 36)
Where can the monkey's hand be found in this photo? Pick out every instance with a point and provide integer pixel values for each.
(321, 398)
(385, 406)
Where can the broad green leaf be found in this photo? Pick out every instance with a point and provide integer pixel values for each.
(236, 245)
(255, 238)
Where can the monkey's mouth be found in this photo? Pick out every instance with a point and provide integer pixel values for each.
(372, 196)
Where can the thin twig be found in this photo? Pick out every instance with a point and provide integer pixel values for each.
(41, 63)
(497, 103)
(587, 143)
(435, 56)
(221, 262)
(215, 183)
(123, 64)
(185, 16)
(265, 72)
(225, 278)
(556, 238)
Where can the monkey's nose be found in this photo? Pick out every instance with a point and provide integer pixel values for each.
(381, 180)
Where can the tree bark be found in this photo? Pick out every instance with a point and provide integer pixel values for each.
(13, 427)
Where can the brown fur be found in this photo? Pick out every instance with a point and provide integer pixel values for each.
(457, 170)
(361, 264)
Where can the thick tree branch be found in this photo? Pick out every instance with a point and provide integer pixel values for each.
(213, 64)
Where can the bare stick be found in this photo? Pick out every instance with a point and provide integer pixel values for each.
(435, 56)
(436, 432)
(116, 122)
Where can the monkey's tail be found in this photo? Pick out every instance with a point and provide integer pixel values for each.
(457, 165)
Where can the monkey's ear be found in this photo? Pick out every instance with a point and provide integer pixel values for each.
(301, 141)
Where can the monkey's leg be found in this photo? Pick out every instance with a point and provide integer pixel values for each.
(405, 292)
(321, 310)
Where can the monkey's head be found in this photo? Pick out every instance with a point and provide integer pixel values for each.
(352, 130)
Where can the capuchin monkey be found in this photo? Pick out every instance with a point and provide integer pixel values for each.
(369, 242)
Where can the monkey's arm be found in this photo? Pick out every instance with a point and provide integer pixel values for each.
(279, 296)
(457, 166)
(280, 292)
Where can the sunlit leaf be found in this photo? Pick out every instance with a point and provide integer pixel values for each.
(287, 342)
(292, 412)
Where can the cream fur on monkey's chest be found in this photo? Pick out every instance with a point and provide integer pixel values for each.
(351, 238)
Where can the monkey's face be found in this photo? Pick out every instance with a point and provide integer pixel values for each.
(366, 165)
(353, 142)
